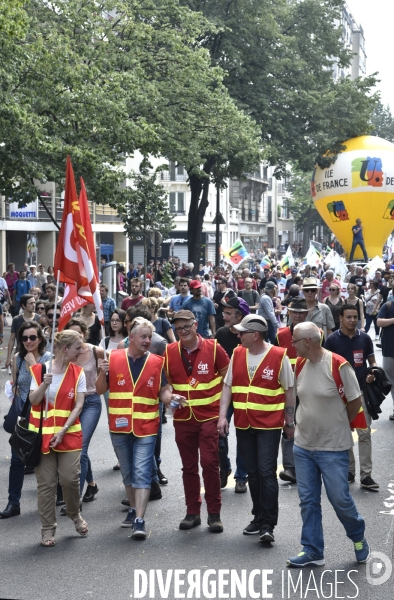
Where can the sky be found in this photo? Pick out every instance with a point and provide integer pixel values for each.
(376, 19)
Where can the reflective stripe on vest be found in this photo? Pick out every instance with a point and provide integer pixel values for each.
(134, 407)
(256, 406)
(203, 398)
(336, 362)
(60, 411)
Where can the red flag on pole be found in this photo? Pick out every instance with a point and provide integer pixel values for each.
(71, 303)
(75, 256)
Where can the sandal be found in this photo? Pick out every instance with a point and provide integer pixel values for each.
(48, 541)
(81, 526)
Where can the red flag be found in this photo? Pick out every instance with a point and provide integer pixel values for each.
(71, 303)
(75, 256)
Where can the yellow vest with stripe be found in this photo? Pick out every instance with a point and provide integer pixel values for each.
(204, 386)
(258, 402)
(58, 412)
(133, 407)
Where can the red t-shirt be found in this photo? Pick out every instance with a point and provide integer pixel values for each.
(127, 302)
(241, 285)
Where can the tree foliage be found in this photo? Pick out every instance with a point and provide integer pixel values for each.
(301, 206)
(96, 79)
(383, 122)
(143, 206)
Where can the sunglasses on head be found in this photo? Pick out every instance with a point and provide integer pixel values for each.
(32, 338)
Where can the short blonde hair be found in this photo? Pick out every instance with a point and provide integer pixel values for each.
(66, 338)
(151, 302)
(153, 291)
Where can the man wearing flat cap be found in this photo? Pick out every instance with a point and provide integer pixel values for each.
(260, 382)
(195, 367)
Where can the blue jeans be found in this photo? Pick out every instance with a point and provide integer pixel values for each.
(135, 456)
(363, 249)
(332, 467)
(15, 481)
(259, 449)
(224, 459)
(369, 319)
(89, 418)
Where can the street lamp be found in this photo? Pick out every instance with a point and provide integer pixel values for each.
(218, 220)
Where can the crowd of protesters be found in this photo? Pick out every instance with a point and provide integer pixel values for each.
(181, 314)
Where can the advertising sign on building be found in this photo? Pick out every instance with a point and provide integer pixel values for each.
(29, 212)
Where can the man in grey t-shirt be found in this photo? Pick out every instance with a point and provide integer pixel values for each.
(321, 444)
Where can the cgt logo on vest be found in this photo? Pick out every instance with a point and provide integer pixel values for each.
(121, 379)
(71, 394)
(151, 382)
(202, 369)
(268, 374)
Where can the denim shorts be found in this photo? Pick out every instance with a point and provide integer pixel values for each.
(135, 455)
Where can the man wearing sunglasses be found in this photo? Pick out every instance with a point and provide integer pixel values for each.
(195, 367)
(319, 313)
(52, 316)
(28, 304)
(259, 380)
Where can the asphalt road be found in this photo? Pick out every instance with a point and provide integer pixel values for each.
(106, 564)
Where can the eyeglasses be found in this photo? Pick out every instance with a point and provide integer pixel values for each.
(32, 338)
(299, 340)
(185, 328)
(40, 308)
(241, 333)
(310, 291)
(333, 289)
(50, 316)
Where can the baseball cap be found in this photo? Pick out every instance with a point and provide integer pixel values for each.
(252, 323)
(195, 284)
(184, 314)
(270, 285)
(238, 303)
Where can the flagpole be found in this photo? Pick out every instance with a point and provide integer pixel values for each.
(103, 337)
(53, 336)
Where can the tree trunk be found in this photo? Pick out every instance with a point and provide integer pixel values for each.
(199, 187)
(307, 231)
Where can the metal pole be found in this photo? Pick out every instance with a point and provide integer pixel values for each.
(217, 253)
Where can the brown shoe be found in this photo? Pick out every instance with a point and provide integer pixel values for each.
(215, 524)
(190, 521)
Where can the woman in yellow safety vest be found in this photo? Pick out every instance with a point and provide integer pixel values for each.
(65, 389)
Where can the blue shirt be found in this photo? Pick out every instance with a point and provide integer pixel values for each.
(357, 237)
(108, 308)
(355, 350)
(22, 286)
(177, 302)
(137, 365)
(201, 309)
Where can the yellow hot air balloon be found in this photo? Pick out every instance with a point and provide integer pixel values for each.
(359, 185)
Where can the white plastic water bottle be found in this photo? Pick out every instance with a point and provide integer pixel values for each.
(172, 407)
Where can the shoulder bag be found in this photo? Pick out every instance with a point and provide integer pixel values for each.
(25, 442)
(16, 408)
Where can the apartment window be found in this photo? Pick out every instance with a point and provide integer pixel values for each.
(270, 183)
(269, 209)
(265, 173)
(285, 209)
(177, 202)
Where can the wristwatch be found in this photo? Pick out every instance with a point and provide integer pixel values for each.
(290, 425)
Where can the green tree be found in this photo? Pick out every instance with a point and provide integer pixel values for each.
(278, 56)
(302, 207)
(382, 122)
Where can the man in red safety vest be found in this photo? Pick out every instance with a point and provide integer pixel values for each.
(329, 404)
(260, 382)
